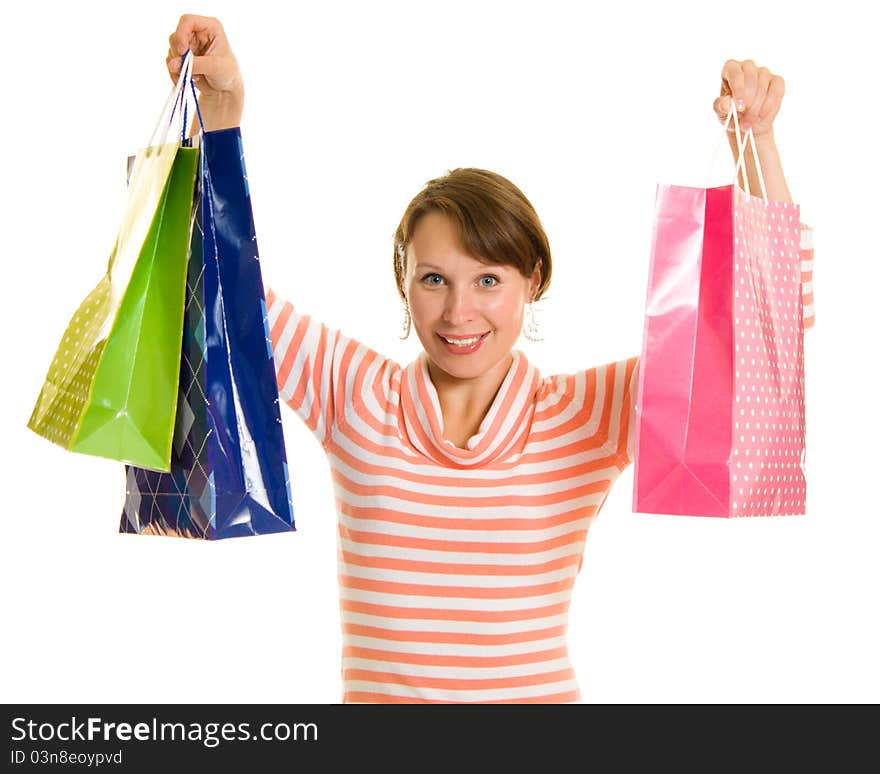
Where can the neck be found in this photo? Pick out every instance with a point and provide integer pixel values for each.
(469, 399)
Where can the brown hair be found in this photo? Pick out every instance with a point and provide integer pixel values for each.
(497, 223)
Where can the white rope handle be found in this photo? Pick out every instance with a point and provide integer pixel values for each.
(168, 111)
(741, 146)
(741, 142)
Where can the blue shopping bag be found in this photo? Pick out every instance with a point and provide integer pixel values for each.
(229, 474)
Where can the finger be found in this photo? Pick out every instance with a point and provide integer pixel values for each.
(732, 76)
(172, 64)
(211, 66)
(173, 61)
(773, 100)
(190, 25)
(722, 110)
(750, 83)
(762, 83)
(721, 106)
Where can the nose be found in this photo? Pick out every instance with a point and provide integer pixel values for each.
(458, 306)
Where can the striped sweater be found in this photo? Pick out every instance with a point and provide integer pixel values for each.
(456, 566)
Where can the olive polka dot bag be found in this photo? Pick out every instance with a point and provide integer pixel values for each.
(111, 389)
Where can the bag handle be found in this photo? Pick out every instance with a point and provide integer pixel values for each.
(192, 86)
(183, 101)
(741, 142)
(175, 105)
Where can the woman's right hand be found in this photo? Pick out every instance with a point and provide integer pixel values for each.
(214, 68)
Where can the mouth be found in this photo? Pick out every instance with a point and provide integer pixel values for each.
(463, 345)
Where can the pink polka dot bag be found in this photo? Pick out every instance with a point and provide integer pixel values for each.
(720, 407)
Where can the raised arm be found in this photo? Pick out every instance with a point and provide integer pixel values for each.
(215, 69)
(758, 95)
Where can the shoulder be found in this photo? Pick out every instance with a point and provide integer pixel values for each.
(599, 382)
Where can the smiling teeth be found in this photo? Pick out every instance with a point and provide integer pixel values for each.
(461, 342)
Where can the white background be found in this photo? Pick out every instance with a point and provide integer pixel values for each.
(351, 108)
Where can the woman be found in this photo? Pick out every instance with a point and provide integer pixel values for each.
(465, 482)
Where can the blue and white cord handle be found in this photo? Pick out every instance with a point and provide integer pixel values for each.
(176, 106)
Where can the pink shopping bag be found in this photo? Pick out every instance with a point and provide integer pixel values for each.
(720, 409)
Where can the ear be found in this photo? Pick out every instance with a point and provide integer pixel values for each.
(536, 279)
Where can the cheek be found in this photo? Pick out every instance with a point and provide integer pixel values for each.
(506, 307)
(422, 305)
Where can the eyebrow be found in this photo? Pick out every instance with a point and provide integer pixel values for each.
(420, 265)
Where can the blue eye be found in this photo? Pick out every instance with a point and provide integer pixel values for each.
(492, 277)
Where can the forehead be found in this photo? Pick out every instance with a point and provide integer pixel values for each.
(435, 232)
(435, 241)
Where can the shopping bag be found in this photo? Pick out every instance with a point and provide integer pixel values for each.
(229, 474)
(720, 409)
(111, 387)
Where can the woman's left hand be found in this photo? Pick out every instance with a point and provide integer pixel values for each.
(758, 94)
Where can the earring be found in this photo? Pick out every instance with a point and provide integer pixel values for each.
(531, 329)
(407, 321)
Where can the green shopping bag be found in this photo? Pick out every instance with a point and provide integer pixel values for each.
(111, 390)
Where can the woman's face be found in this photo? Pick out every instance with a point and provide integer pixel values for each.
(453, 295)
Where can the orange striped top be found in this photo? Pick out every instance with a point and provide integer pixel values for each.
(456, 566)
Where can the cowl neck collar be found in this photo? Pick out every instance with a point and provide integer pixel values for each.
(503, 431)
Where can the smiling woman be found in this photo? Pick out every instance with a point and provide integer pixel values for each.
(465, 482)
